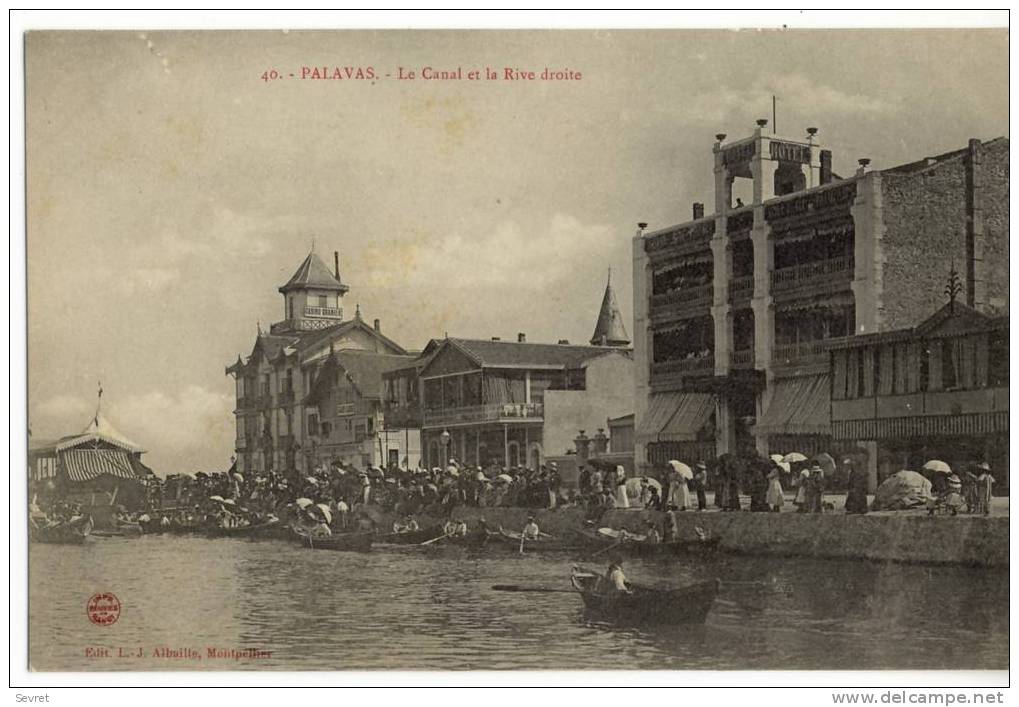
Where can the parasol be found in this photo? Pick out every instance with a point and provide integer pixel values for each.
(505, 478)
(326, 513)
(777, 458)
(452, 470)
(793, 457)
(239, 478)
(681, 469)
(938, 466)
(303, 502)
(480, 476)
(784, 466)
(217, 499)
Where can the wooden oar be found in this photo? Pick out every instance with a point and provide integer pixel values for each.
(433, 540)
(606, 549)
(519, 588)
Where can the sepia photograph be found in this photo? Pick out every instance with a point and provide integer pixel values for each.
(678, 349)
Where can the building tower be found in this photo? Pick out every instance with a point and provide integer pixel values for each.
(313, 297)
(609, 331)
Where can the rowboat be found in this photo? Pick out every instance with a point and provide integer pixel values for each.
(547, 543)
(410, 537)
(472, 541)
(638, 546)
(124, 530)
(350, 542)
(243, 531)
(66, 533)
(645, 605)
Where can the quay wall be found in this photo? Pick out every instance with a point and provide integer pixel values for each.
(889, 537)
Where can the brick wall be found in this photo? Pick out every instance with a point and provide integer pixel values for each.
(925, 217)
(995, 203)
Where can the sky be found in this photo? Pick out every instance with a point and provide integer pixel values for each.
(171, 190)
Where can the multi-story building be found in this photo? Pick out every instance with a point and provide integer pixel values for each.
(733, 311)
(511, 403)
(309, 392)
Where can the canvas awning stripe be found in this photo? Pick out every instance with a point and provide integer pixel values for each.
(799, 405)
(88, 464)
(676, 417)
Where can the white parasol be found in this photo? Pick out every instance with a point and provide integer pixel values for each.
(938, 466)
(217, 499)
(681, 469)
(303, 502)
(326, 513)
(505, 478)
(777, 458)
(793, 457)
(239, 478)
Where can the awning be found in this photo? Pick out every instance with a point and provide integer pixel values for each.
(89, 464)
(676, 417)
(799, 405)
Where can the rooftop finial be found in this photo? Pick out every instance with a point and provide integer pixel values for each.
(953, 288)
(258, 325)
(357, 310)
(610, 275)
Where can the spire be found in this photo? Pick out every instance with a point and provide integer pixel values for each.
(609, 331)
(313, 274)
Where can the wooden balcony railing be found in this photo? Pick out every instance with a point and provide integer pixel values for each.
(741, 359)
(696, 364)
(484, 413)
(321, 312)
(789, 278)
(701, 294)
(741, 286)
(803, 352)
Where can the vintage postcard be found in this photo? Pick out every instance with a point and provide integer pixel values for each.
(456, 350)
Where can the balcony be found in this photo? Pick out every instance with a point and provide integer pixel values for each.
(741, 287)
(344, 409)
(812, 273)
(696, 364)
(687, 296)
(321, 312)
(507, 412)
(803, 353)
(743, 358)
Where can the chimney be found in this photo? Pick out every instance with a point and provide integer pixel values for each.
(761, 122)
(378, 325)
(976, 239)
(698, 210)
(864, 163)
(564, 342)
(825, 166)
(521, 338)
(496, 338)
(336, 263)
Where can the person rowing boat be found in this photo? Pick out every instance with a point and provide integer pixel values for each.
(531, 531)
(614, 580)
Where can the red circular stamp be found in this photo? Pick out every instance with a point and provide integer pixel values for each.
(103, 609)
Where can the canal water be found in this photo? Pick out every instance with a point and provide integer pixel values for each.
(417, 608)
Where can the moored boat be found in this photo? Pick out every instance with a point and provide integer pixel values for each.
(638, 545)
(73, 532)
(645, 605)
(350, 542)
(410, 537)
(544, 542)
(250, 530)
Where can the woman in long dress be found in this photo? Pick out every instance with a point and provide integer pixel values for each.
(621, 500)
(801, 490)
(679, 492)
(774, 497)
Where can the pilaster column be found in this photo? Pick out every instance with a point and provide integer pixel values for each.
(764, 316)
(868, 254)
(641, 340)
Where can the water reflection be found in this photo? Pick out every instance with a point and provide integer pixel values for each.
(436, 610)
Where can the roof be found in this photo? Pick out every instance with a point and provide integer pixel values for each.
(363, 369)
(931, 161)
(313, 274)
(952, 319)
(609, 329)
(513, 354)
(98, 430)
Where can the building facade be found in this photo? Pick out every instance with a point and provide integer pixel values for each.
(734, 310)
(935, 391)
(310, 391)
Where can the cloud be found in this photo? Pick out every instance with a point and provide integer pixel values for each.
(505, 255)
(723, 103)
(181, 430)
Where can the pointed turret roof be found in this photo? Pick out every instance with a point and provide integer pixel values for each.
(313, 273)
(610, 330)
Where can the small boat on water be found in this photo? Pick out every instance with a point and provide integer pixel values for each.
(410, 537)
(251, 530)
(73, 532)
(638, 545)
(544, 542)
(123, 530)
(350, 542)
(645, 605)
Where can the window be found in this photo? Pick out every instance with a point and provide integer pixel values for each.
(998, 359)
(325, 429)
(313, 424)
(322, 302)
(949, 363)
